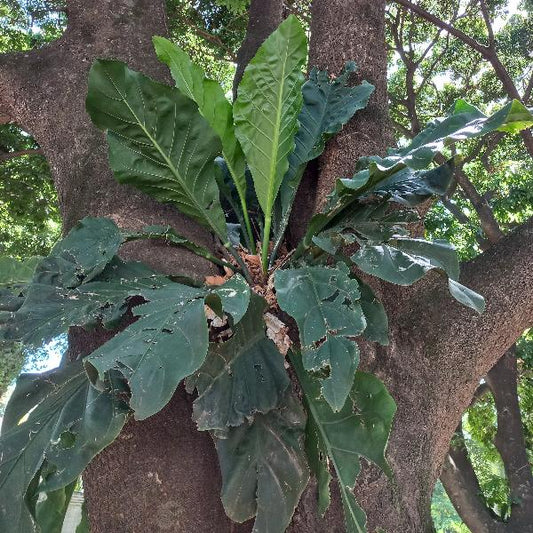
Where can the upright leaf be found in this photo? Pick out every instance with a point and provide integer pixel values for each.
(361, 428)
(214, 107)
(242, 376)
(328, 104)
(166, 344)
(266, 110)
(64, 421)
(324, 303)
(264, 470)
(157, 141)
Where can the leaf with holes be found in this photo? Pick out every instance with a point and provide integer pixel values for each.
(360, 428)
(158, 141)
(242, 376)
(165, 345)
(324, 303)
(62, 419)
(264, 470)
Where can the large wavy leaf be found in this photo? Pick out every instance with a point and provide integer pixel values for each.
(166, 344)
(264, 470)
(214, 107)
(66, 423)
(240, 377)
(266, 110)
(328, 104)
(324, 303)
(49, 310)
(157, 141)
(360, 428)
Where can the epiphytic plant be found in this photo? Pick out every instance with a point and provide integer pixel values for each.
(227, 338)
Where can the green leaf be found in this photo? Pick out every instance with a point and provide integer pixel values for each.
(50, 512)
(234, 296)
(49, 311)
(214, 107)
(166, 344)
(241, 377)
(264, 470)
(404, 261)
(328, 104)
(15, 272)
(64, 421)
(83, 254)
(266, 110)
(323, 301)
(377, 322)
(158, 141)
(361, 428)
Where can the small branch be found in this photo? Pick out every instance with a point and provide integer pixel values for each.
(462, 487)
(12, 155)
(444, 26)
(488, 22)
(510, 442)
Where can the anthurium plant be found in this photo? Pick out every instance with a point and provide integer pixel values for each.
(235, 169)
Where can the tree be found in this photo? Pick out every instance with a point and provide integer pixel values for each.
(438, 352)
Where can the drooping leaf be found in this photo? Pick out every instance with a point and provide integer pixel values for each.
(264, 470)
(242, 376)
(328, 104)
(360, 428)
(15, 272)
(83, 254)
(158, 141)
(214, 107)
(166, 344)
(324, 303)
(49, 311)
(64, 421)
(267, 107)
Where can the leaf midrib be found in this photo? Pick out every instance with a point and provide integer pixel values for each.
(168, 162)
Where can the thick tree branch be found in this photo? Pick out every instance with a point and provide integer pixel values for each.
(510, 442)
(462, 487)
(264, 16)
(504, 276)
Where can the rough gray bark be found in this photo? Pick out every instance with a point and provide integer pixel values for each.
(264, 16)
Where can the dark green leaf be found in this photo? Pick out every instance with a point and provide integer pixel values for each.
(361, 428)
(234, 296)
(50, 512)
(264, 470)
(64, 421)
(166, 344)
(157, 141)
(81, 255)
(323, 301)
(240, 377)
(377, 323)
(328, 104)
